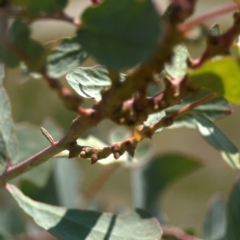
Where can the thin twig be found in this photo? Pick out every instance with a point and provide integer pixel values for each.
(184, 27)
(100, 181)
(174, 233)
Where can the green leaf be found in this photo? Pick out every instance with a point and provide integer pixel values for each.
(65, 57)
(73, 224)
(233, 229)
(215, 222)
(214, 109)
(19, 44)
(217, 139)
(68, 182)
(88, 82)
(32, 141)
(159, 173)
(117, 33)
(221, 75)
(178, 67)
(8, 141)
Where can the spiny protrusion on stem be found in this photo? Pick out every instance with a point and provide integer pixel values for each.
(94, 158)
(47, 135)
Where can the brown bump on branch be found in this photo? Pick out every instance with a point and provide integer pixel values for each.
(130, 148)
(94, 158)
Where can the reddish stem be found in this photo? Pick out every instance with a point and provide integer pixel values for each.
(184, 27)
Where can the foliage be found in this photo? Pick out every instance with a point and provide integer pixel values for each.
(146, 81)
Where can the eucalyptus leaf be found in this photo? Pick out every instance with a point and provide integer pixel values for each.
(178, 67)
(117, 33)
(233, 229)
(214, 109)
(65, 57)
(215, 222)
(217, 139)
(159, 173)
(221, 75)
(71, 224)
(154, 118)
(8, 140)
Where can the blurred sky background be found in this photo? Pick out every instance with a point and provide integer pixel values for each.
(184, 201)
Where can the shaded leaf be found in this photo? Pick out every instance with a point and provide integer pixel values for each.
(178, 67)
(68, 181)
(120, 42)
(8, 141)
(233, 225)
(31, 141)
(214, 109)
(157, 175)
(65, 57)
(215, 222)
(18, 42)
(221, 75)
(78, 224)
(217, 139)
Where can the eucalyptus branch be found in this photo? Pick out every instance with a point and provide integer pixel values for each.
(184, 27)
(174, 233)
(217, 45)
(112, 99)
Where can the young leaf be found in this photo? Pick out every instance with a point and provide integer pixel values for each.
(215, 222)
(73, 224)
(158, 174)
(65, 57)
(8, 140)
(233, 229)
(213, 110)
(178, 67)
(117, 33)
(217, 139)
(221, 75)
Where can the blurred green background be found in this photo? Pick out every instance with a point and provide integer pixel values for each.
(186, 200)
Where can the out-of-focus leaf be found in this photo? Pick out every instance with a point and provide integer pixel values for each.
(213, 110)
(120, 42)
(177, 69)
(78, 224)
(215, 222)
(217, 139)
(8, 141)
(159, 173)
(11, 220)
(118, 135)
(233, 229)
(221, 75)
(88, 82)
(18, 41)
(65, 57)
(31, 141)
(67, 180)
